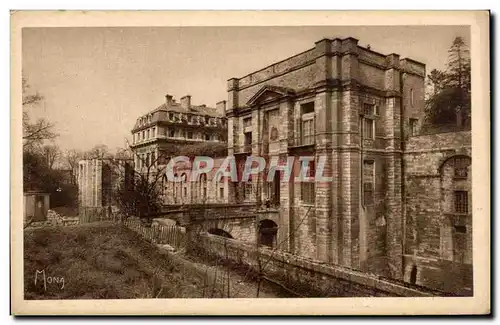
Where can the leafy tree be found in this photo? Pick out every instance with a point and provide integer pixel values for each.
(39, 176)
(450, 102)
(436, 80)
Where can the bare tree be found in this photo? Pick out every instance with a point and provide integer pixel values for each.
(34, 132)
(71, 159)
(100, 151)
(141, 195)
(52, 154)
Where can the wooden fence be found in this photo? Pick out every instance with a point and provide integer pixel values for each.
(174, 236)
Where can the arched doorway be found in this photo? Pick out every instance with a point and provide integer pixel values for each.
(267, 232)
(219, 232)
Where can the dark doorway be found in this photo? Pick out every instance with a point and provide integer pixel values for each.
(413, 275)
(267, 233)
(219, 232)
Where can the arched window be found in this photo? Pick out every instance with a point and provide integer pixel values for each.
(174, 189)
(184, 189)
(164, 184)
(203, 186)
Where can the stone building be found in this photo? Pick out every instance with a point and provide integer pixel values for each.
(358, 109)
(156, 133)
(98, 179)
(160, 135)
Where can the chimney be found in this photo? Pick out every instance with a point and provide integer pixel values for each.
(186, 102)
(221, 108)
(169, 100)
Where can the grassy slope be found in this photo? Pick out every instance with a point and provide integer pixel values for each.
(101, 262)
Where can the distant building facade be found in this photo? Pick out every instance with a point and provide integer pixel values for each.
(360, 110)
(209, 188)
(175, 123)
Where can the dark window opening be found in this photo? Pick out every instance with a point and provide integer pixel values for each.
(413, 126)
(190, 135)
(461, 202)
(219, 232)
(307, 108)
(369, 109)
(461, 229)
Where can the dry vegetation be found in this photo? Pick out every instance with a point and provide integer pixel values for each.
(101, 262)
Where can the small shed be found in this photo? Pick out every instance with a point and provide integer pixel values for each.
(36, 205)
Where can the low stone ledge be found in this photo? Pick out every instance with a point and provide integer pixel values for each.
(318, 277)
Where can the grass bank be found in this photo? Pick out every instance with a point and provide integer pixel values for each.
(105, 261)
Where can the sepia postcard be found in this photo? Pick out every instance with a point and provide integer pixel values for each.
(250, 163)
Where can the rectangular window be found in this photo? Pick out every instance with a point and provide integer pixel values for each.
(171, 133)
(190, 135)
(307, 108)
(154, 132)
(248, 138)
(307, 187)
(247, 144)
(247, 122)
(413, 126)
(221, 192)
(207, 137)
(461, 202)
(308, 132)
(369, 109)
(368, 128)
(248, 189)
(461, 166)
(368, 182)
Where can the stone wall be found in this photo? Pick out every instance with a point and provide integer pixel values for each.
(305, 276)
(55, 219)
(438, 240)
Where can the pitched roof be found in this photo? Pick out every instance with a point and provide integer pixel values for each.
(194, 109)
(280, 91)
